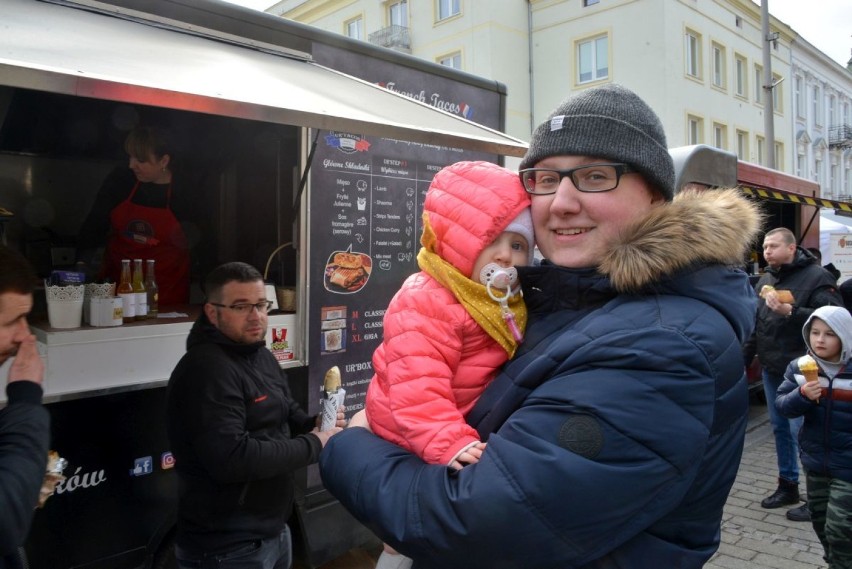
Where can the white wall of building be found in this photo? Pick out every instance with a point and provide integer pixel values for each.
(646, 51)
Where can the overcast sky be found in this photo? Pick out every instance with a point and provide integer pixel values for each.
(826, 24)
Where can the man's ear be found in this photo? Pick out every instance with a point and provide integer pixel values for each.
(210, 313)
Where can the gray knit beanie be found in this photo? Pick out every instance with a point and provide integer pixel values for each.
(608, 122)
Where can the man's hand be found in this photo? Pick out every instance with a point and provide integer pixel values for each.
(776, 306)
(323, 436)
(27, 365)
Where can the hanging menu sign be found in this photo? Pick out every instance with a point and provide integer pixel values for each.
(366, 203)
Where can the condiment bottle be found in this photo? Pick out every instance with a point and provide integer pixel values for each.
(139, 291)
(152, 290)
(125, 291)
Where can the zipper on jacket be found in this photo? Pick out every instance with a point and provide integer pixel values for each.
(242, 500)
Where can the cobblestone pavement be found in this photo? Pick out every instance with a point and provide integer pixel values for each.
(753, 537)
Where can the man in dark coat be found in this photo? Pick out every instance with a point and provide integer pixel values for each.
(777, 339)
(24, 423)
(236, 433)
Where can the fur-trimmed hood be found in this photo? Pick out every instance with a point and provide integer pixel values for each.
(698, 227)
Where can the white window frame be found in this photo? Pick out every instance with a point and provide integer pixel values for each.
(761, 150)
(817, 105)
(692, 54)
(694, 130)
(719, 67)
(720, 136)
(777, 94)
(799, 96)
(358, 24)
(779, 155)
(398, 13)
(742, 145)
(591, 48)
(452, 60)
(448, 9)
(741, 70)
(758, 84)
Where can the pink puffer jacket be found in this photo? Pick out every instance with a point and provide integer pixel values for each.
(435, 360)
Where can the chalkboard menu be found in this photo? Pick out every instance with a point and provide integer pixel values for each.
(365, 200)
(366, 204)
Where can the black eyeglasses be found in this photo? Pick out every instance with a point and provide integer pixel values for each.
(244, 308)
(588, 178)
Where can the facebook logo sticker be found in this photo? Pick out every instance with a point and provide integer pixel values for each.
(142, 466)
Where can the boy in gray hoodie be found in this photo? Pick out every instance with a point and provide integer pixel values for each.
(825, 440)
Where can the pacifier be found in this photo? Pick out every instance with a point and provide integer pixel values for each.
(503, 279)
(500, 277)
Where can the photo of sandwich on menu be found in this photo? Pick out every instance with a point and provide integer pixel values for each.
(347, 272)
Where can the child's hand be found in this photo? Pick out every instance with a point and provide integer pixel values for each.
(470, 455)
(811, 390)
(359, 419)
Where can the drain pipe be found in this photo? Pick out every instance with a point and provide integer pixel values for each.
(531, 68)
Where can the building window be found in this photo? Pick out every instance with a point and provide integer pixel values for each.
(742, 145)
(742, 76)
(779, 156)
(777, 94)
(738, 21)
(587, 3)
(719, 70)
(453, 60)
(761, 149)
(355, 28)
(720, 136)
(798, 96)
(758, 84)
(832, 179)
(800, 165)
(398, 13)
(593, 59)
(832, 111)
(693, 54)
(817, 103)
(694, 130)
(448, 9)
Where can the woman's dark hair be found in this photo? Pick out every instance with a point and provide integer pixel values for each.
(16, 273)
(229, 272)
(143, 141)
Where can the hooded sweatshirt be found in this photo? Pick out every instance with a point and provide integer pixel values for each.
(435, 358)
(826, 434)
(237, 436)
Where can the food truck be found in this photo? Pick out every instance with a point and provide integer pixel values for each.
(304, 154)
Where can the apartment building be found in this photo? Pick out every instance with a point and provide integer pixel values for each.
(699, 63)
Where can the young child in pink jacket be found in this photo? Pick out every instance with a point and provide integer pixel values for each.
(453, 324)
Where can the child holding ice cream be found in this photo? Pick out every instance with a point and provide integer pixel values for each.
(818, 386)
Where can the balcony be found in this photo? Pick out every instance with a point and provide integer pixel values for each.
(840, 136)
(393, 37)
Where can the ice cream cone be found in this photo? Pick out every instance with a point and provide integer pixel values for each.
(809, 367)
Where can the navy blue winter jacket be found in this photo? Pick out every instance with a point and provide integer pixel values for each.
(615, 433)
(825, 439)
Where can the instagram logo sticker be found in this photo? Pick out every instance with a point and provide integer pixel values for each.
(167, 461)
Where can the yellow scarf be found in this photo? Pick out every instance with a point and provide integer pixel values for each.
(472, 295)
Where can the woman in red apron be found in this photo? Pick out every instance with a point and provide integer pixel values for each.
(142, 225)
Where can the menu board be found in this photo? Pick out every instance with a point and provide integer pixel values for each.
(366, 204)
(365, 201)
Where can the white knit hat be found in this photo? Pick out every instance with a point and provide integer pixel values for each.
(523, 225)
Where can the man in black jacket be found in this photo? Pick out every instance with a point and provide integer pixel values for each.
(777, 339)
(24, 423)
(236, 433)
